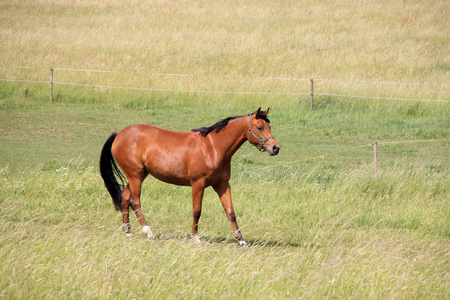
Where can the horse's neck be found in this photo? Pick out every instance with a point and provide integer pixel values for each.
(231, 138)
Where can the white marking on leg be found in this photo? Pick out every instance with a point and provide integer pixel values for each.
(146, 229)
(243, 243)
(196, 239)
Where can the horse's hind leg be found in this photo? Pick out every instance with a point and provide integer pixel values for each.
(126, 211)
(134, 185)
(197, 197)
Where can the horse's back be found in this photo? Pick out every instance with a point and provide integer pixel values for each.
(143, 134)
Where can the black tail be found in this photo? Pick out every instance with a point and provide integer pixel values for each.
(109, 170)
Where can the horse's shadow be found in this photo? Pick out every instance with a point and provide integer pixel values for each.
(230, 241)
(276, 244)
(251, 242)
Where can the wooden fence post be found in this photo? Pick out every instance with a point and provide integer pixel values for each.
(312, 93)
(51, 84)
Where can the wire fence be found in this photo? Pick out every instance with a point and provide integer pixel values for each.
(178, 91)
(311, 93)
(376, 151)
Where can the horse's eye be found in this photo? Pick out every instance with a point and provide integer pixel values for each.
(260, 128)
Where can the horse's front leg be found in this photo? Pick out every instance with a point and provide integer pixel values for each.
(197, 198)
(224, 192)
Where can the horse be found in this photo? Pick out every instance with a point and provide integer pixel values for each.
(199, 158)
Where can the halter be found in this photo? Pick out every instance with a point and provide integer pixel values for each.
(250, 133)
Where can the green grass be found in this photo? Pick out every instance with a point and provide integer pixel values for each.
(310, 236)
(320, 222)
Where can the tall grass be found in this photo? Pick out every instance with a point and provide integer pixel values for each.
(340, 236)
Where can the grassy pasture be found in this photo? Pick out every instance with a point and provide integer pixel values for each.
(319, 227)
(320, 223)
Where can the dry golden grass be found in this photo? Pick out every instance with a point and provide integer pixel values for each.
(348, 46)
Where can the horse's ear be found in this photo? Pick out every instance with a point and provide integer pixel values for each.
(257, 113)
(266, 112)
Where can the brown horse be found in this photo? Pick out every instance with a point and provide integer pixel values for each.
(199, 158)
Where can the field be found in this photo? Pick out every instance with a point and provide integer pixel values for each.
(320, 222)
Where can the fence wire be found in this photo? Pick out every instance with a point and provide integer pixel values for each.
(323, 155)
(227, 92)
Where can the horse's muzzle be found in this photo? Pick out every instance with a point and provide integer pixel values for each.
(273, 149)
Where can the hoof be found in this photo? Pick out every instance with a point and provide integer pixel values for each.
(148, 231)
(128, 235)
(196, 239)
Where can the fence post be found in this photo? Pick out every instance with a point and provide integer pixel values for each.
(312, 93)
(51, 84)
(375, 157)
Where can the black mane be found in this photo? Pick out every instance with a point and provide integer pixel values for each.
(204, 131)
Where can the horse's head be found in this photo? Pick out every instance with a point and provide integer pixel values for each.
(259, 132)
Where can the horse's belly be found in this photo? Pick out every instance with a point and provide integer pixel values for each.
(171, 169)
(168, 178)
